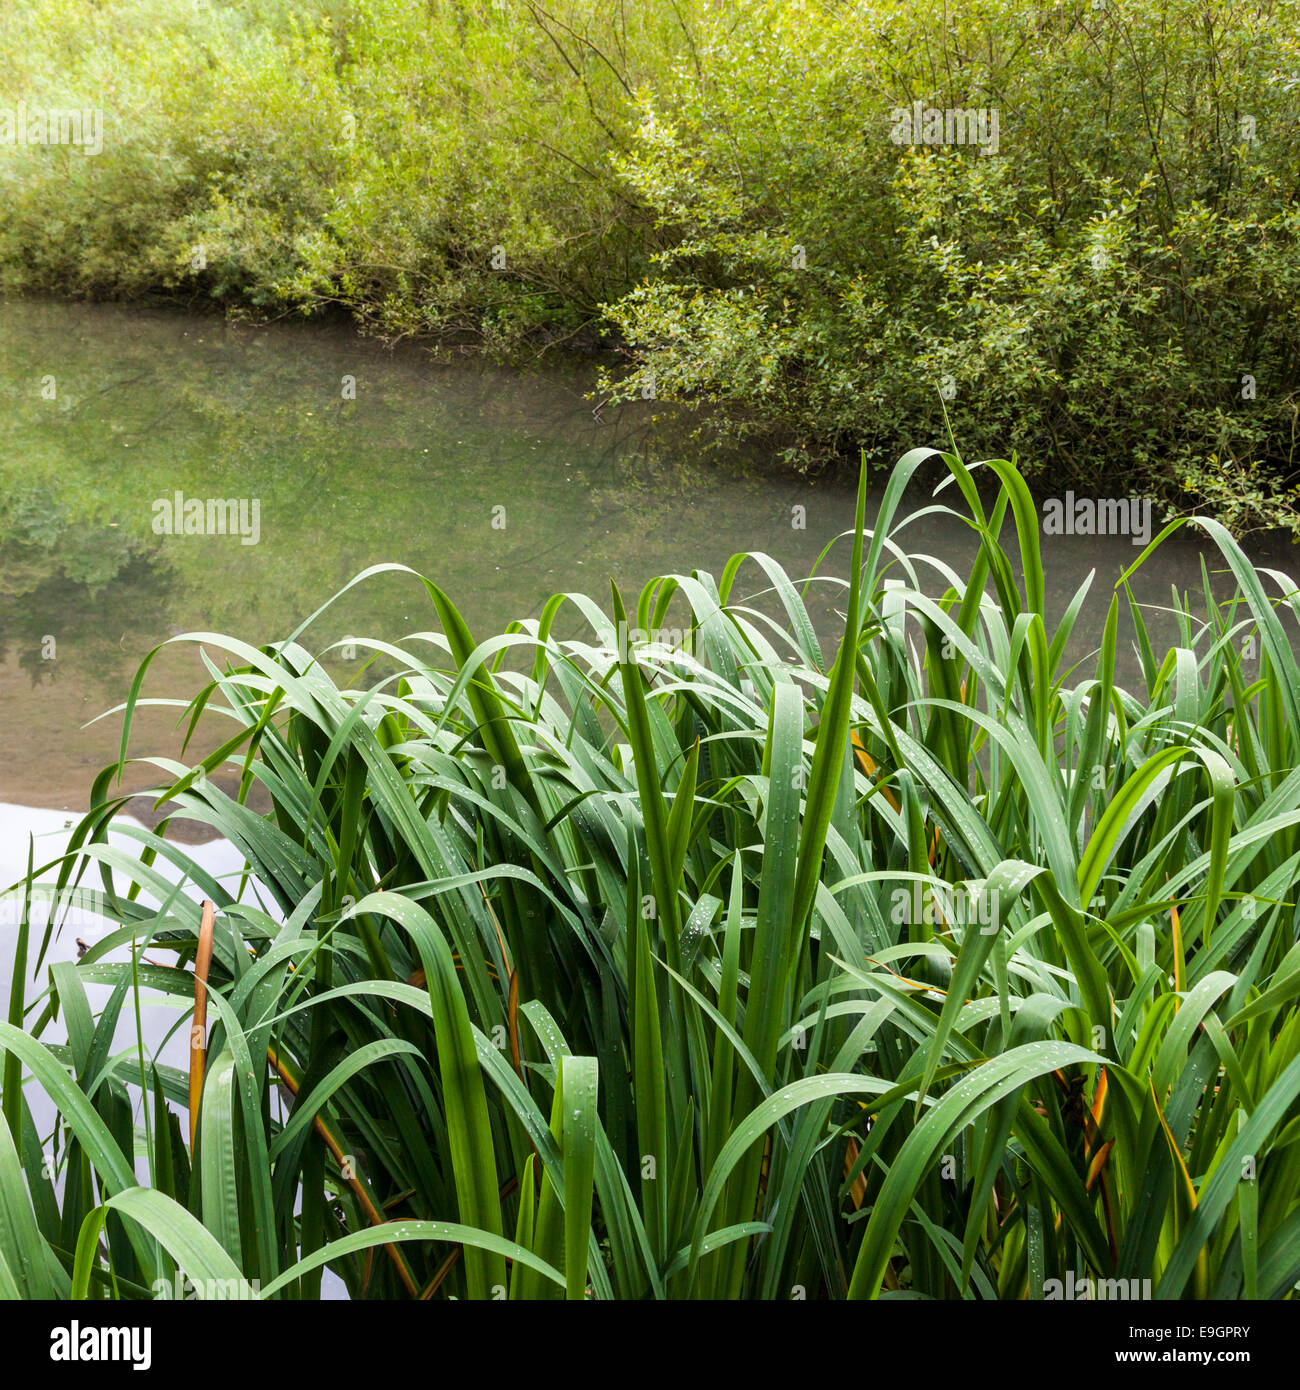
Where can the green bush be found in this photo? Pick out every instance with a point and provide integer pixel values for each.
(372, 156)
(715, 192)
(1096, 293)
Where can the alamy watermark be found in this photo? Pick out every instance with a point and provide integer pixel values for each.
(954, 125)
(82, 909)
(655, 641)
(946, 904)
(82, 127)
(1098, 516)
(179, 515)
(91, 1343)
(1096, 1290)
(183, 1287)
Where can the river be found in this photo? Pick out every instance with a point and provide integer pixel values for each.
(502, 486)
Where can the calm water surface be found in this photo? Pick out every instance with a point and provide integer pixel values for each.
(503, 487)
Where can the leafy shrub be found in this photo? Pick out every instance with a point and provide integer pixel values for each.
(1114, 292)
(366, 156)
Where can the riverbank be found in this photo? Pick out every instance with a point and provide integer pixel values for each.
(1052, 254)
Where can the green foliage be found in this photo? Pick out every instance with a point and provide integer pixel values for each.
(715, 192)
(631, 962)
(371, 155)
(1096, 293)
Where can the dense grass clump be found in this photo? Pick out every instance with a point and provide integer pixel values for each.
(619, 966)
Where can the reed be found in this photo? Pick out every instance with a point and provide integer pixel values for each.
(594, 968)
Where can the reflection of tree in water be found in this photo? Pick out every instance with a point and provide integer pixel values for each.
(410, 471)
(653, 465)
(87, 589)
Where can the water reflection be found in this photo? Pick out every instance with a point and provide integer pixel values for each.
(502, 486)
